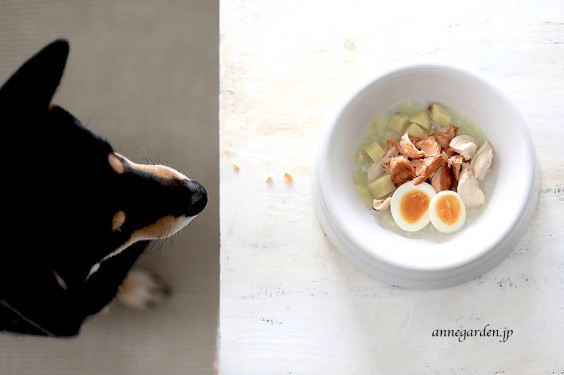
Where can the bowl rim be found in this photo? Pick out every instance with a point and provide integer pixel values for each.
(328, 128)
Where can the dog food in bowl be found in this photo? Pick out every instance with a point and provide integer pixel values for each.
(427, 258)
(423, 163)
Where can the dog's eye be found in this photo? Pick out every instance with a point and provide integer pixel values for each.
(118, 220)
(115, 163)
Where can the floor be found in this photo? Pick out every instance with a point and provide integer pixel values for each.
(144, 75)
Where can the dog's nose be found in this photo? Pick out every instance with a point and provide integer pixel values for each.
(198, 197)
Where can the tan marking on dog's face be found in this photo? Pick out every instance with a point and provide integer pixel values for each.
(164, 227)
(115, 163)
(118, 220)
(60, 280)
(158, 170)
(94, 269)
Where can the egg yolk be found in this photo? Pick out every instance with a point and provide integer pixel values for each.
(413, 206)
(448, 209)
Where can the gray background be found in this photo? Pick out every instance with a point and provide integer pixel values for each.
(144, 75)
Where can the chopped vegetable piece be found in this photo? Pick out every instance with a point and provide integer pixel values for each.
(440, 114)
(375, 151)
(413, 130)
(421, 118)
(397, 122)
(381, 186)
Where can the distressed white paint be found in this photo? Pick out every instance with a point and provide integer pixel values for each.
(290, 304)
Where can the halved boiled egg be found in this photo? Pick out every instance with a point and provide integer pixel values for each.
(410, 205)
(447, 211)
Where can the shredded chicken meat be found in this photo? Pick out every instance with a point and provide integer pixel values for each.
(445, 135)
(429, 146)
(438, 158)
(482, 160)
(401, 170)
(468, 189)
(428, 151)
(454, 163)
(381, 204)
(387, 158)
(442, 178)
(434, 162)
(406, 147)
(464, 145)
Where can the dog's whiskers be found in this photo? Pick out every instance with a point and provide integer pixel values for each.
(155, 245)
(148, 158)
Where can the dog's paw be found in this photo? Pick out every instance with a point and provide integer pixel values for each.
(142, 290)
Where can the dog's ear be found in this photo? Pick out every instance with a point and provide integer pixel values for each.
(33, 85)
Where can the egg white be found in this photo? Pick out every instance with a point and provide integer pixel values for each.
(436, 220)
(396, 200)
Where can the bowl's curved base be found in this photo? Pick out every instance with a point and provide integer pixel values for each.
(420, 279)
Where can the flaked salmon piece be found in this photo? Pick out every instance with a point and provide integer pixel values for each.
(445, 135)
(381, 204)
(431, 166)
(429, 146)
(468, 188)
(401, 170)
(420, 165)
(449, 151)
(387, 158)
(482, 161)
(407, 148)
(454, 163)
(442, 178)
(390, 144)
(465, 145)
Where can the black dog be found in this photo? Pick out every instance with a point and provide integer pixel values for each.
(77, 215)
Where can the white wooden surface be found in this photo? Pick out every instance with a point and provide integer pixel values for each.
(290, 303)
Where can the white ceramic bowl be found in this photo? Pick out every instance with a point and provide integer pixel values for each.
(433, 261)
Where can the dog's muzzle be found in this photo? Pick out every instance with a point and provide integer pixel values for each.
(198, 197)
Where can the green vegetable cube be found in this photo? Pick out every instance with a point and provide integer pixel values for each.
(440, 114)
(375, 151)
(421, 118)
(381, 186)
(413, 130)
(397, 121)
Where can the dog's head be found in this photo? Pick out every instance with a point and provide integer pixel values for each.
(67, 194)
